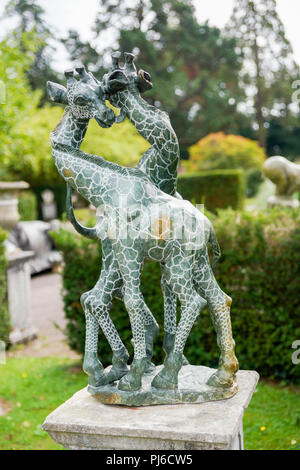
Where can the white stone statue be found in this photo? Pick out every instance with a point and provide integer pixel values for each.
(286, 176)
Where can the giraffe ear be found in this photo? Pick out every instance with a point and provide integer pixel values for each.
(144, 81)
(116, 81)
(57, 93)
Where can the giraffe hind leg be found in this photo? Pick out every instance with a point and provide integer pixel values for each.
(219, 307)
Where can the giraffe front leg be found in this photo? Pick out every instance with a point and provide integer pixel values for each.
(135, 304)
(91, 364)
(97, 304)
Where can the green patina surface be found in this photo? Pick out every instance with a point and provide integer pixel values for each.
(142, 217)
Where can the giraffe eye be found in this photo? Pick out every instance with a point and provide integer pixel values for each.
(80, 101)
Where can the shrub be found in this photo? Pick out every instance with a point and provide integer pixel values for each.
(27, 206)
(4, 316)
(220, 151)
(214, 189)
(259, 269)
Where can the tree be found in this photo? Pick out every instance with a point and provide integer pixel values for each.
(269, 68)
(30, 19)
(19, 105)
(194, 67)
(82, 51)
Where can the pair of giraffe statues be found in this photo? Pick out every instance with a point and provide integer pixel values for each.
(143, 217)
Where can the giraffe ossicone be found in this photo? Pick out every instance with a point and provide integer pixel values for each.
(142, 218)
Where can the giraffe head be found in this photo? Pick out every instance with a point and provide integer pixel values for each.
(85, 97)
(127, 76)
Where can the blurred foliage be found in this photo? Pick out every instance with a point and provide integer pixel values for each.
(27, 206)
(194, 68)
(259, 268)
(20, 103)
(217, 189)
(283, 138)
(4, 315)
(269, 65)
(220, 151)
(30, 19)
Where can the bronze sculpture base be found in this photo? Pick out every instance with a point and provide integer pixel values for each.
(192, 388)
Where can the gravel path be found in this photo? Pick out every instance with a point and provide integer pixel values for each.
(48, 316)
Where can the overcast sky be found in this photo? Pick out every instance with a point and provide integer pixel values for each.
(79, 15)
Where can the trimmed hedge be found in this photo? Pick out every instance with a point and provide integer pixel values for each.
(4, 315)
(27, 206)
(259, 269)
(217, 189)
(60, 192)
(218, 151)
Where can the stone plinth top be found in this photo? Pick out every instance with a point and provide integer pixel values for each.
(83, 422)
(8, 185)
(19, 257)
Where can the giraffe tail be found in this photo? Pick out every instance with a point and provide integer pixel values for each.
(85, 231)
(215, 248)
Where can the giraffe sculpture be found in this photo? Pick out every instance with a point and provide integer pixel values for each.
(86, 100)
(160, 163)
(102, 182)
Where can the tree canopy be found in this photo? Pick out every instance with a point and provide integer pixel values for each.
(269, 67)
(30, 19)
(194, 67)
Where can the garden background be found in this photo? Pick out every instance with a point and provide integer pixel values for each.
(230, 94)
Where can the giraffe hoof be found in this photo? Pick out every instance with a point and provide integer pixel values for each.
(129, 383)
(94, 369)
(185, 361)
(116, 373)
(161, 382)
(150, 368)
(132, 381)
(220, 380)
(167, 378)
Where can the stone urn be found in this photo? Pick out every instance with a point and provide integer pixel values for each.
(18, 270)
(9, 214)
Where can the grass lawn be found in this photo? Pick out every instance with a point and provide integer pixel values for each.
(33, 387)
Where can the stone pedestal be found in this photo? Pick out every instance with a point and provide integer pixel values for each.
(18, 284)
(83, 422)
(9, 214)
(284, 201)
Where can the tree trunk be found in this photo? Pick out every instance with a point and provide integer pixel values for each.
(259, 100)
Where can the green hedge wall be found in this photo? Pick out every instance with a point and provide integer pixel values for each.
(59, 191)
(4, 316)
(259, 269)
(27, 206)
(216, 189)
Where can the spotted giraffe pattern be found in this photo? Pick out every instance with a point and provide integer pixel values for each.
(161, 217)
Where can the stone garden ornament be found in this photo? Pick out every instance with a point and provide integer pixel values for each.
(286, 176)
(141, 217)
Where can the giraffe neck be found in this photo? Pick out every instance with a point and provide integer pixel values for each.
(96, 179)
(69, 131)
(161, 161)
